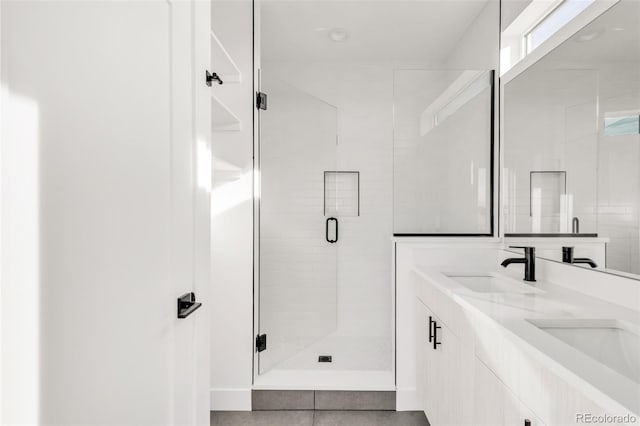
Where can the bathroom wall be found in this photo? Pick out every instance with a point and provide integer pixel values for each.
(232, 222)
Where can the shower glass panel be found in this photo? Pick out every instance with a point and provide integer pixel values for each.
(443, 144)
(297, 252)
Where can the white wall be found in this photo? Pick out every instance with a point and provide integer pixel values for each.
(232, 223)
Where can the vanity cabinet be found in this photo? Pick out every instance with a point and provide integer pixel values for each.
(454, 386)
(470, 371)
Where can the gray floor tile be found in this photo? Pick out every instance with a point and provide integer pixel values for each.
(370, 418)
(355, 400)
(261, 418)
(282, 400)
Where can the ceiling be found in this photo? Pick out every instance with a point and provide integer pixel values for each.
(418, 30)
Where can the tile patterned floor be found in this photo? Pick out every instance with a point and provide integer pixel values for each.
(318, 418)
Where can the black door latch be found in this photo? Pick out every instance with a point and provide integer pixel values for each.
(187, 305)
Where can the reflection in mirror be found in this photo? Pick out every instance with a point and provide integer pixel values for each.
(572, 140)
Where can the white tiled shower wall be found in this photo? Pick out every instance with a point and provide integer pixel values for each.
(297, 265)
(363, 97)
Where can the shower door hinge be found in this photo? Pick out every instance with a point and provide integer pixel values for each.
(261, 342)
(261, 100)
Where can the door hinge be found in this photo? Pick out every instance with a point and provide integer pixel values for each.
(261, 100)
(261, 342)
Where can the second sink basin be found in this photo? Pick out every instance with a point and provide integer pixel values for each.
(491, 283)
(611, 342)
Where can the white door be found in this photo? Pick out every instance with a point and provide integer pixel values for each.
(105, 212)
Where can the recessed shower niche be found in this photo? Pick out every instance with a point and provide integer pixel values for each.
(341, 194)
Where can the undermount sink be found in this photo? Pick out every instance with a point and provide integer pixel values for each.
(491, 283)
(608, 341)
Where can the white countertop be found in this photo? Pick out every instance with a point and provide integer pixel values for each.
(512, 311)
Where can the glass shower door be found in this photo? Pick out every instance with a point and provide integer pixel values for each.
(297, 241)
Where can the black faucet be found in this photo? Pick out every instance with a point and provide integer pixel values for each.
(529, 261)
(567, 257)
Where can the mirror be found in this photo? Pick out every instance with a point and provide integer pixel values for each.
(571, 134)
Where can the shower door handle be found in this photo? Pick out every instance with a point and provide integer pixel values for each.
(326, 230)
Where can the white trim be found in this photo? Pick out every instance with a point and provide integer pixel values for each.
(230, 399)
(407, 400)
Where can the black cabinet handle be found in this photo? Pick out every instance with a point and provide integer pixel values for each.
(436, 327)
(430, 328)
(187, 305)
(326, 231)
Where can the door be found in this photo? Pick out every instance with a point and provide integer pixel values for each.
(103, 114)
(298, 236)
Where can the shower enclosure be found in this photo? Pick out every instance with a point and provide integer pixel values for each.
(309, 335)
(361, 133)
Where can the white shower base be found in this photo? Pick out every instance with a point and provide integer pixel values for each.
(359, 363)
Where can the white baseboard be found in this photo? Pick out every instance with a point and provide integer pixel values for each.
(407, 400)
(230, 399)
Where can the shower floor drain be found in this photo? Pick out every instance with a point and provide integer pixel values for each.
(324, 358)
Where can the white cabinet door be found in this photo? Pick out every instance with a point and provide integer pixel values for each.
(488, 397)
(429, 377)
(445, 379)
(453, 369)
(494, 404)
(444, 371)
